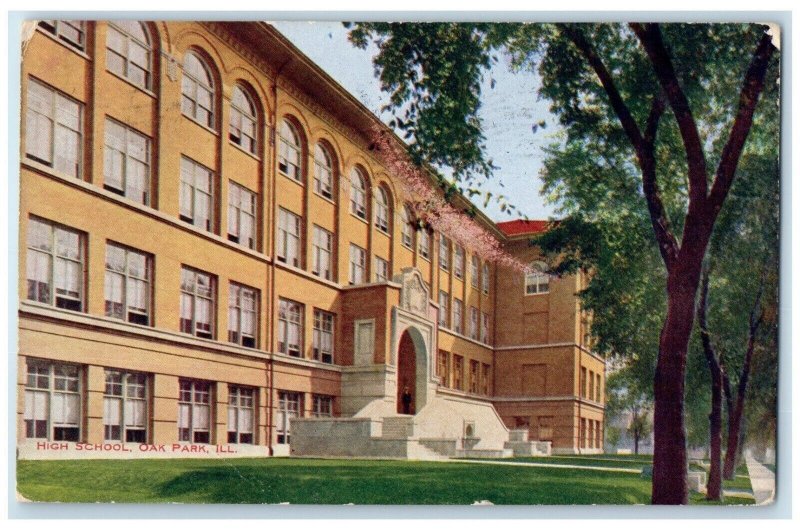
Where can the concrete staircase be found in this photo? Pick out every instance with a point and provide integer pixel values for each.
(445, 427)
(519, 445)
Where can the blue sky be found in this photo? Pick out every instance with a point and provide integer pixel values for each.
(509, 110)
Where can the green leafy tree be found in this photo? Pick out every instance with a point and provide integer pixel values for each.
(666, 102)
(629, 400)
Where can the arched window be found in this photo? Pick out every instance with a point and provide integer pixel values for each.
(243, 120)
(358, 194)
(536, 279)
(407, 228)
(130, 52)
(323, 172)
(382, 209)
(197, 88)
(289, 157)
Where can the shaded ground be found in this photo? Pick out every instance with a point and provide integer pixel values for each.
(312, 481)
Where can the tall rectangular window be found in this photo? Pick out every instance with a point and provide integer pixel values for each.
(290, 327)
(358, 265)
(128, 285)
(125, 407)
(582, 433)
(591, 385)
(583, 382)
(474, 270)
(323, 336)
(194, 411)
(126, 165)
(443, 309)
(598, 394)
(485, 371)
(597, 435)
(424, 244)
(322, 259)
(288, 238)
(241, 415)
(323, 406)
(243, 315)
(458, 315)
(485, 328)
(444, 253)
(290, 405)
(52, 401)
(474, 374)
(53, 129)
(72, 32)
(129, 53)
(198, 303)
(55, 265)
(458, 262)
(197, 194)
(485, 278)
(241, 215)
(381, 269)
(442, 368)
(458, 372)
(473, 323)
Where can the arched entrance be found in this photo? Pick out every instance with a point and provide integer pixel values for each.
(411, 370)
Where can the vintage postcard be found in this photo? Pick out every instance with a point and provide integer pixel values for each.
(398, 263)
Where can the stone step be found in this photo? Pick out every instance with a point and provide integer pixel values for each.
(484, 453)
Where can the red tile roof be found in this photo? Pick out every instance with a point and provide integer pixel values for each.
(520, 226)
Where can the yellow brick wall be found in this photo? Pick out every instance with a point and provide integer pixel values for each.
(84, 205)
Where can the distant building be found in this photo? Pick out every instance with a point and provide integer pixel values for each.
(210, 256)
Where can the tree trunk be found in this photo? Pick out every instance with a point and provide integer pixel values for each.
(670, 480)
(714, 486)
(636, 443)
(734, 429)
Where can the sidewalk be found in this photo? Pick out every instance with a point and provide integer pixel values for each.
(762, 480)
(537, 464)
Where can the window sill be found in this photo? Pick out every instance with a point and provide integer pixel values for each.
(245, 151)
(306, 274)
(62, 42)
(464, 337)
(324, 198)
(356, 216)
(141, 89)
(292, 179)
(201, 125)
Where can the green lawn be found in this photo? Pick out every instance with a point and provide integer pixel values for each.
(317, 481)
